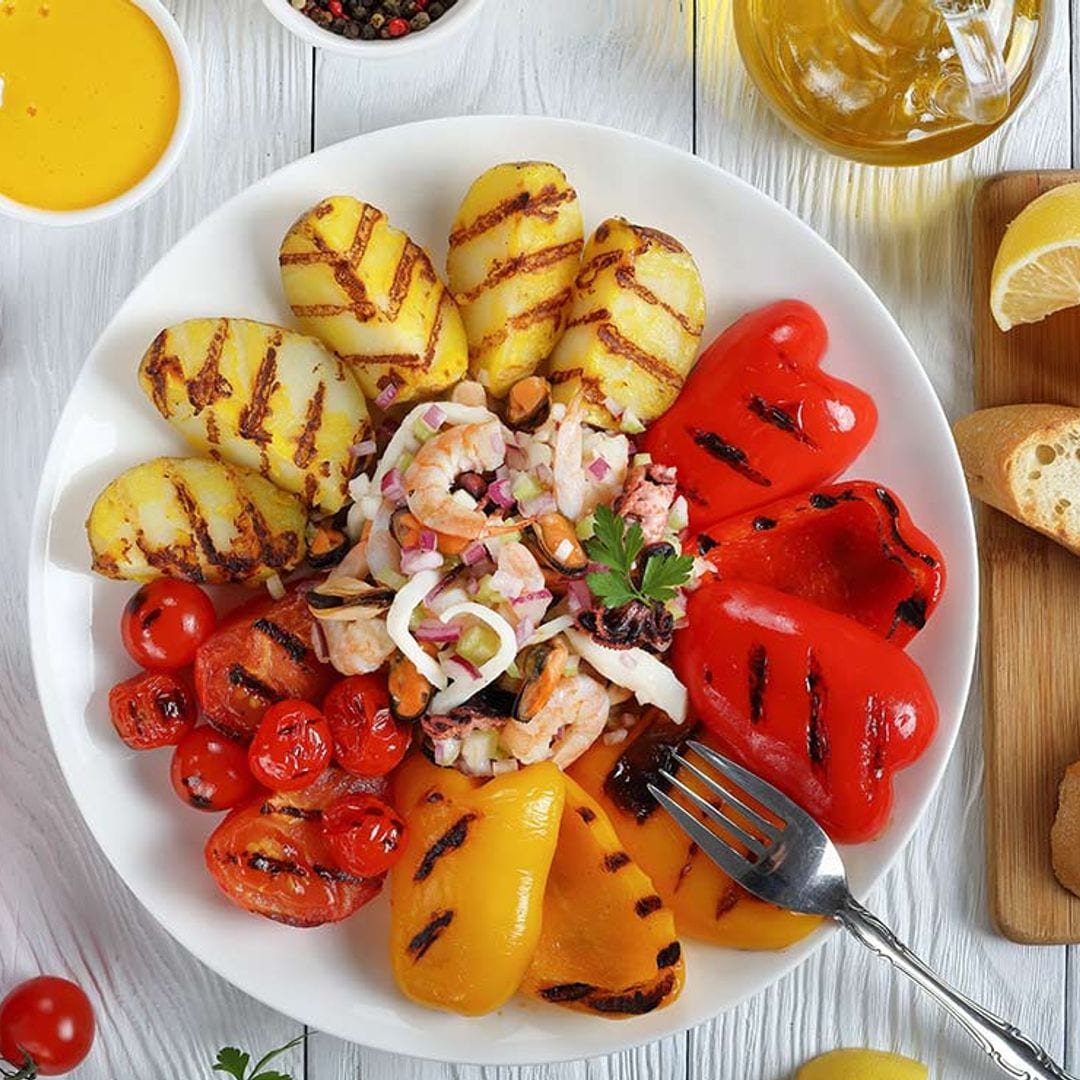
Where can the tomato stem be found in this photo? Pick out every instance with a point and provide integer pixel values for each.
(27, 1071)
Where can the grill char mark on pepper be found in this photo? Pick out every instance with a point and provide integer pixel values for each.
(635, 1002)
(418, 947)
(894, 517)
(759, 681)
(779, 418)
(293, 645)
(451, 840)
(732, 456)
(669, 956)
(565, 992)
(817, 735)
(911, 611)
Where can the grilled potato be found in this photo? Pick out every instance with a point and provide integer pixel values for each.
(634, 328)
(262, 397)
(196, 520)
(515, 248)
(372, 295)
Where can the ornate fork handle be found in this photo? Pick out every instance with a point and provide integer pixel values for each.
(1015, 1054)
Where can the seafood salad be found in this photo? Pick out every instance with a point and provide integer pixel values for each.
(510, 542)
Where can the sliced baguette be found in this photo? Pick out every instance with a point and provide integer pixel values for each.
(1025, 460)
(1065, 835)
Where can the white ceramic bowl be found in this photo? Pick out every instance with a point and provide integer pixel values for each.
(456, 19)
(750, 251)
(168, 161)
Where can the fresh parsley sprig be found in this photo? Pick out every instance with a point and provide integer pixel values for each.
(616, 545)
(234, 1063)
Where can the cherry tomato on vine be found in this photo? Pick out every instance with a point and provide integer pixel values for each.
(46, 1027)
(165, 622)
(368, 741)
(292, 746)
(152, 709)
(365, 834)
(210, 770)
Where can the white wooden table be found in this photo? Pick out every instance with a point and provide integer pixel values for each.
(664, 68)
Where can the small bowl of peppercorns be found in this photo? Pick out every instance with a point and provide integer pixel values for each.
(373, 28)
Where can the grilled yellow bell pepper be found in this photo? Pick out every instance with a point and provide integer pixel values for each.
(467, 896)
(608, 944)
(707, 904)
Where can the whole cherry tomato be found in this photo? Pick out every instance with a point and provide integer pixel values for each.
(46, 1026)
(292, 746)
(368, 741)
(152, 709)
(365, 834)
(210, 771)
(165, 622)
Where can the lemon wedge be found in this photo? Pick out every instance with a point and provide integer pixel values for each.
(1037, 269)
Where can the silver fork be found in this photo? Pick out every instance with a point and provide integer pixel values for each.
(789, 861)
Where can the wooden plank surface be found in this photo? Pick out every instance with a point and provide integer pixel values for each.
(624, 62)
(1030, 607)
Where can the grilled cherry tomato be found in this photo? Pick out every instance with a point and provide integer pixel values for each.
(152, 709)
(270, 856)
(165, 622)
(368, 741)
(365, 834)
(210, 771)
(260, 655)
(46, 1027)
(291, 748)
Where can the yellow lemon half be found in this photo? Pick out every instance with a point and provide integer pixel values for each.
(862, 1065)
(1037, 269)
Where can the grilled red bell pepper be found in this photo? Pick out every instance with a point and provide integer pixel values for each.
(851, 548)
(808, 699)
(759, 419)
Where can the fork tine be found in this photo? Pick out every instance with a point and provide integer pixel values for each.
(715, 847)
(761, 791)
(714, 813)
(772, 831)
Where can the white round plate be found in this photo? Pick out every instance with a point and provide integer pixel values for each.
(750, 251)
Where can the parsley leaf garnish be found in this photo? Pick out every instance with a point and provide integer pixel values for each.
(617, 545)
(235, 1063)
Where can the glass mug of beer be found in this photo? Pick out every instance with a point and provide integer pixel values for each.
(891, 82)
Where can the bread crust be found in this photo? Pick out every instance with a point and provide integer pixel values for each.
(1065, 834)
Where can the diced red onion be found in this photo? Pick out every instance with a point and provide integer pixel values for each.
(437, 631)
(428, 540)
(362, 449)
(499, 494)
(474, 553)
(442, 585)
(578, 596)
(392, 487)
(614, 407)
(387, 395)
(524, 630)
(413, 560)
(434, 418)
(544, 503)
(502, 472)
(599, 468)
(529, 597)
(472, 586)
(470, 669)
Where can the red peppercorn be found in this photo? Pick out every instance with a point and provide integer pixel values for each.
(397, 27)
(336, 9)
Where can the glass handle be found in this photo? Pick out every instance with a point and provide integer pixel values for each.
(985, 97)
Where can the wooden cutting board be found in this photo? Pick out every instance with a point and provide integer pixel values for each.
(1030, 607)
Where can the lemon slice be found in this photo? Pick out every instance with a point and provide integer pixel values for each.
(1037, 269)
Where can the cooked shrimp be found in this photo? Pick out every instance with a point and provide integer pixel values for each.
(615, 450)
(359, 646)
(520, 579)
(572, 720)
(568, 471)
(430, 478)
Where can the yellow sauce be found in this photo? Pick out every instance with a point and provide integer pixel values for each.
(90, 98)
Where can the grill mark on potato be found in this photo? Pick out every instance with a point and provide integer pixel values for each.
(523, 264)
(727, 900)
(173, 560)
(370, 216)
(669, 956)
(274, 551)
(648, 905)
(209, 385)
(661, 238)
(287, 640)
(451, 840)
(399, 287)
(160, 368)
(626, 278)
(422, 942)
(542, 204)
(304, 454)
(596, 315)
(436, 332)
(551, 308)
(653, 366)
(566, 992)
(636, 1001)
(399, 360)
(615, 861)
(590, 271)
(254, 415)
(213, 434)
